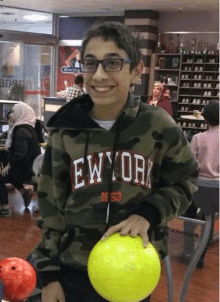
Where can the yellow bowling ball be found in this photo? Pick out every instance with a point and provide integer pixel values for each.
(121, 270)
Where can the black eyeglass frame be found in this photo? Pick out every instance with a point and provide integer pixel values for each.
(126, 60)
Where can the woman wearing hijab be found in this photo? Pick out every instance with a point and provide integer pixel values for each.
(160, 98)
(23, 147)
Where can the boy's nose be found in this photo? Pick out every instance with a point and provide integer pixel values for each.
(100, 73)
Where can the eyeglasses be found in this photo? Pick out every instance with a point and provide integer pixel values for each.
(109, 65)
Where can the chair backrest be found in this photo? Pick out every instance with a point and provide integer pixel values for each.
(37, 164)
(207, 199)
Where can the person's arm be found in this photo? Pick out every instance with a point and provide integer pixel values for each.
(21, 139)
(53, 189)
(195, 145)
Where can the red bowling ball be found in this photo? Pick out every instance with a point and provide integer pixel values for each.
(18, 277)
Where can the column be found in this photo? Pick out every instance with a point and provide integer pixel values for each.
(146, 23)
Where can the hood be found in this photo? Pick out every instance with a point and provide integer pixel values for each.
(75, 115)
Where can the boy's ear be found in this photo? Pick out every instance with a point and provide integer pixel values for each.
(137, 71)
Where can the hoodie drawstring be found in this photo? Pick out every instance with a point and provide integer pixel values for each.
(110, 184)
(109, 180)
(85, 170)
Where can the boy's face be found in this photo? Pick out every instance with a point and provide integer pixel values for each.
(106, 88)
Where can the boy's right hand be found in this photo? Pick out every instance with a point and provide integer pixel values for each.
(53, 292)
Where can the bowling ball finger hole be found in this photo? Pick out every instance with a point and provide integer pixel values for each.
(13, 268)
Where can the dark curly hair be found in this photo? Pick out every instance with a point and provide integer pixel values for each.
(124, 37)
(211, 113)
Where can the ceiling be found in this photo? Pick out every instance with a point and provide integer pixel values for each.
(104, 7)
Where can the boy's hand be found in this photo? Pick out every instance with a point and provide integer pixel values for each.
(53, 292)
(4, 171)
(134, 225)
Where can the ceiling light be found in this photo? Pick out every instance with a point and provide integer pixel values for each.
(35, 17)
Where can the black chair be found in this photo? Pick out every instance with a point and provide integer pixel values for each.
(207, 199)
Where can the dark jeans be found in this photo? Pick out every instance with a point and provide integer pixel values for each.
(77, 287)
(13, 177)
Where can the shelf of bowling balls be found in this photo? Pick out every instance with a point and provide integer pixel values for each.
(199, 71)
(167, 54)
(166, 69)
(196, 128)
(192, 117)
(204, 88)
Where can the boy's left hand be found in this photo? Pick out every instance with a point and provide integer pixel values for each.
(134, 225)
(4, 171)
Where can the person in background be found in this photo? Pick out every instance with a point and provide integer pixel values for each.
(161, 98)
(76, 90)
(105, 146)
(167, 93)
(205, 146)
(23, 147)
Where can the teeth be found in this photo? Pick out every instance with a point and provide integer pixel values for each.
(102, 88)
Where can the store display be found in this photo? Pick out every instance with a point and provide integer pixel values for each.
(193, 43)
(162, 62)
(175, 62)
(158, 47)
(205, 45)
(170, 48)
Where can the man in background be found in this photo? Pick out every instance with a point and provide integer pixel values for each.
(76, 90)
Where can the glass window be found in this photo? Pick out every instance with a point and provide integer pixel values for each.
(25, 73)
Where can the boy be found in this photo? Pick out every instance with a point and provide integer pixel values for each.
(113, 164)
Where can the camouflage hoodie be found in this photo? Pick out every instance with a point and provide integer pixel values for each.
(143, 165)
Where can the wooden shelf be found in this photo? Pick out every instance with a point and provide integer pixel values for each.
(166, 54)
(164, 69)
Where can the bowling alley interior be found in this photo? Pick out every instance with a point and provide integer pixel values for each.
(40, 48)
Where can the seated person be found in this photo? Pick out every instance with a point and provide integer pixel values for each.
(161, 98)
(23, 147)
(205, 146)
(76, 90)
